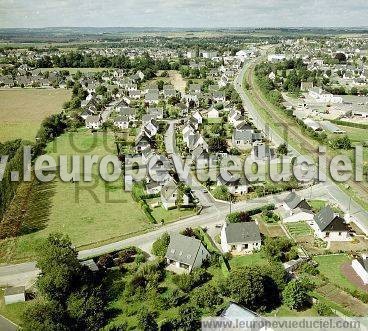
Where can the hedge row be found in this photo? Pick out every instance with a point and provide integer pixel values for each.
(353, 125)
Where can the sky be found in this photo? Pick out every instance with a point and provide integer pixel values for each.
(183, 13)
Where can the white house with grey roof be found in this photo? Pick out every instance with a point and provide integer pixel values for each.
(360, 266)
(296, 209)
(169, 195)
(329, 226)
(185, 253)
(244, 139)
(240, 238)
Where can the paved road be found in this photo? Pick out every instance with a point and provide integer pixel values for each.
(6, 325)
(25, 273)
(359, 215)
(204, 198)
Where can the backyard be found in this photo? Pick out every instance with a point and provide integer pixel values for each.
(22, 110)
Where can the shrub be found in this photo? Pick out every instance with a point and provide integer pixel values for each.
(159, 247)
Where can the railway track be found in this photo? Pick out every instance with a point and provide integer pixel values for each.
(298, 136)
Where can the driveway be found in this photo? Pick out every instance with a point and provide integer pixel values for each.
(6, 325)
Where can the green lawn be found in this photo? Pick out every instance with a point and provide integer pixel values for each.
(12, 312)
(284, 311)
(330, 266)
(89, 213)
(246, 260)
(317, 205)
(299, 229)
(172, 215)
(22, 110)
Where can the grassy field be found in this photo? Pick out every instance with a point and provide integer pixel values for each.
(330, 266)
(88, 213)
(246, 260)
(317, 205)
(299, 229)
(22, 110)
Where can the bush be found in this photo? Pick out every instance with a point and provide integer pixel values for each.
(238, 217)
(159, 247)
(106, 261)
(295, 295)
(323, 309)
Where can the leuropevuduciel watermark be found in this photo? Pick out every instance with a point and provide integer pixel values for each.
(230, 168)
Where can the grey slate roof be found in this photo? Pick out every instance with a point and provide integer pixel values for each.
(326, 217)
(183, 249)
(293, 200)
(363, 262)
(242, 232)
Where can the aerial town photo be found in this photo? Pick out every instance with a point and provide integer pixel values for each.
(183, 165)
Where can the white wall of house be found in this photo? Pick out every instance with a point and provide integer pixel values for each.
(329, 235)
(14, 298)
(245, 247)
(362, 273)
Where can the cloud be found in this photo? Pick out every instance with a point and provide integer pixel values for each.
(183, 13)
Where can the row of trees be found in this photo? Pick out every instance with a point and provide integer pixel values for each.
(70, 297)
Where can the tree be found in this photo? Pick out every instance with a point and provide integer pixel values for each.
(295, 295)
(238, 217)
(246, 286)
(68, 293)
(189, 318)
(341, 57)
(60, 268)
(146, 321)
(282, 149)
(218, 144)
(341, 143)
(159, 247)
(276, 249)
(180, 195)
(45, 316)
(207, 296)
(354, 91)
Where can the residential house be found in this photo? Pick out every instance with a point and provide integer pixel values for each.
(196, 115)
(243, 139)
(93, 122)
(129, 112)
(185, 253)
(360, 266)
(235, 313)
(135, 94)
(234, 117)
(142, 141)
(213, 113)
(319, 95)
(151, 98)
(296, 209)
(122, 122)
(329, 226)
(151, 129)
(169, 195)
(235, 186)
(240, 237)
(219, 96)
(262, 151)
